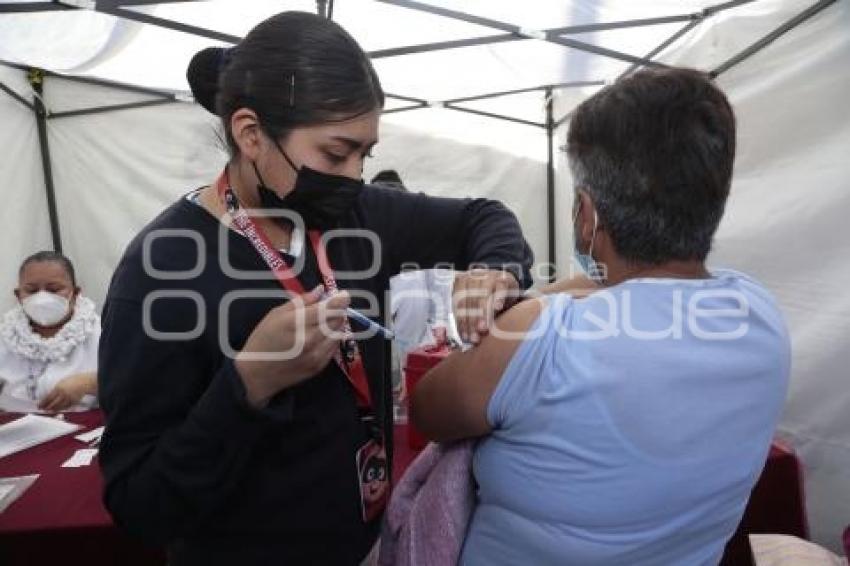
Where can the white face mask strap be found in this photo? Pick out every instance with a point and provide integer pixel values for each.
(595, 226)
(593, 236)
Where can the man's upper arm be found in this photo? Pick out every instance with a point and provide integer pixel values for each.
(451, 401)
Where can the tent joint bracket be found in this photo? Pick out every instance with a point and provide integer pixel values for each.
(80, 4)
(532, 33)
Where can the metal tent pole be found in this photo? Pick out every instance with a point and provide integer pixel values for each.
(550, 181)
(519, 31)
(809, 12)
(544, 88)
(493, 115)
(56, 5)
(36, 79)
(322, 8)
(160, 96)
(505, 37)
(141, 17)
(16, 96)
(113, 108)
(95, 81)
(664, 45)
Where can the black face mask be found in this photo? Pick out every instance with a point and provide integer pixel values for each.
(321, 199)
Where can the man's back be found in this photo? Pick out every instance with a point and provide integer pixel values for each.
(633, 429)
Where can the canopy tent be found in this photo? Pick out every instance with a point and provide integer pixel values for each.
(113, 139)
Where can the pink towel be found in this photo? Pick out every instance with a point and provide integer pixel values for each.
(430, 508)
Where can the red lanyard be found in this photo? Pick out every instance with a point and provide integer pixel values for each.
(353, 367)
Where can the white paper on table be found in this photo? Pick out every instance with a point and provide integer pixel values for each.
(12, 488)
(82, 457)
(6, 489)
(13, 404)
(31, 430)
(92, 435)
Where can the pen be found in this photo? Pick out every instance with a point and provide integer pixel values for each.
(367, 322)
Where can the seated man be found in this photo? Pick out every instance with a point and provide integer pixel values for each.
(628, 424)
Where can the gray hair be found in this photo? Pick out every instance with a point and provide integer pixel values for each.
(654, 152)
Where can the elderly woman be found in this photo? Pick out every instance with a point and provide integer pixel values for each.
(48, 342)
(628, 425)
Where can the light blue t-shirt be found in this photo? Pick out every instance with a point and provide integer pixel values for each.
(630, 427)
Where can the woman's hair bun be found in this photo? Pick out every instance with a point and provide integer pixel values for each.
(203, 72)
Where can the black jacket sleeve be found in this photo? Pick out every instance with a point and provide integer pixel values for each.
(418, 229)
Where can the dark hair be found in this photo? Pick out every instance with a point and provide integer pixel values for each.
(294, 69)
(389, 178)
(655, 151)
(47, 255)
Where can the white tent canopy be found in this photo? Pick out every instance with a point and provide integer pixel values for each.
(112, 171)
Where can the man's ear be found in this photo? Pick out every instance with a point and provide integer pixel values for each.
(586, 215)
(246, 132)
(17, 292)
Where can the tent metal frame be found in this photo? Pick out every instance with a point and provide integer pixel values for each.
(509, 32)
(36, 80)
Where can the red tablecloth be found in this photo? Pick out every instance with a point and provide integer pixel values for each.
(403, 454)
(60, 518)
(776, 506)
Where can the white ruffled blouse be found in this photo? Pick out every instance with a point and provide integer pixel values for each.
(31, 366)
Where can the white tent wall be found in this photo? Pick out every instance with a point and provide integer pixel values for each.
(23, 215)
(445, 167)
(114, 171)
(787, 224)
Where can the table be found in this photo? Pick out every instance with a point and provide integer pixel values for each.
(403, 454)
(61, 518)
(776, 506)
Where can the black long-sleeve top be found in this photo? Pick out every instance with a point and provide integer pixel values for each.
(187, 462)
